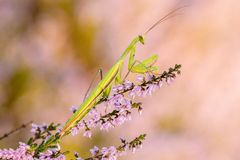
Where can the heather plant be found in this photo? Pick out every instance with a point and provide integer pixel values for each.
(45, 142)
(113, 92)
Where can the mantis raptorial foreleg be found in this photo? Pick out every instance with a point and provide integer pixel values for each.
(145, 66)
(141, 67)
(137, 66)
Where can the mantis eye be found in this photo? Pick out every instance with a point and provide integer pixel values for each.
(141, 39)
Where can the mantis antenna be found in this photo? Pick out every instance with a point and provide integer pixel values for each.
(171, 14)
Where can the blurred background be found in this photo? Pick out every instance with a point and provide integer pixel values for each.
(50, 51)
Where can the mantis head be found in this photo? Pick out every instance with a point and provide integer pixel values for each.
(141, 39)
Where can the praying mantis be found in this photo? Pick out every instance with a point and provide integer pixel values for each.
(103, 88)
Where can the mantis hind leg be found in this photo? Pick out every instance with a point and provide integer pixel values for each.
(100, 72)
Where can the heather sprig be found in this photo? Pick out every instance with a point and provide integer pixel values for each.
(45, 142)
(112, 153)
(15, 130)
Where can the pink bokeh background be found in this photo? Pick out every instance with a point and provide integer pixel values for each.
(50, 50)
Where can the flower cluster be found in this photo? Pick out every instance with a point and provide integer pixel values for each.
(24, 152)
(42, 146)
(44, 143)
(52, 154)
(120, 104)
(21, 153)
(111, 153)
(119, 114)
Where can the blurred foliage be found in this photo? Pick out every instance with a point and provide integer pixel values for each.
(23, 72)
(16, 86)
(171, 124)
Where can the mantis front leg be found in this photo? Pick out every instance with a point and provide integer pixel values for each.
(142, 67)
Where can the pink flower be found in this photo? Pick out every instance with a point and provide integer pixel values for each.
(94, 151)
(140, 79)
(88, 134)
(73, 109)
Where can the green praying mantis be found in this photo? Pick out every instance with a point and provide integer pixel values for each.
(103, 88)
